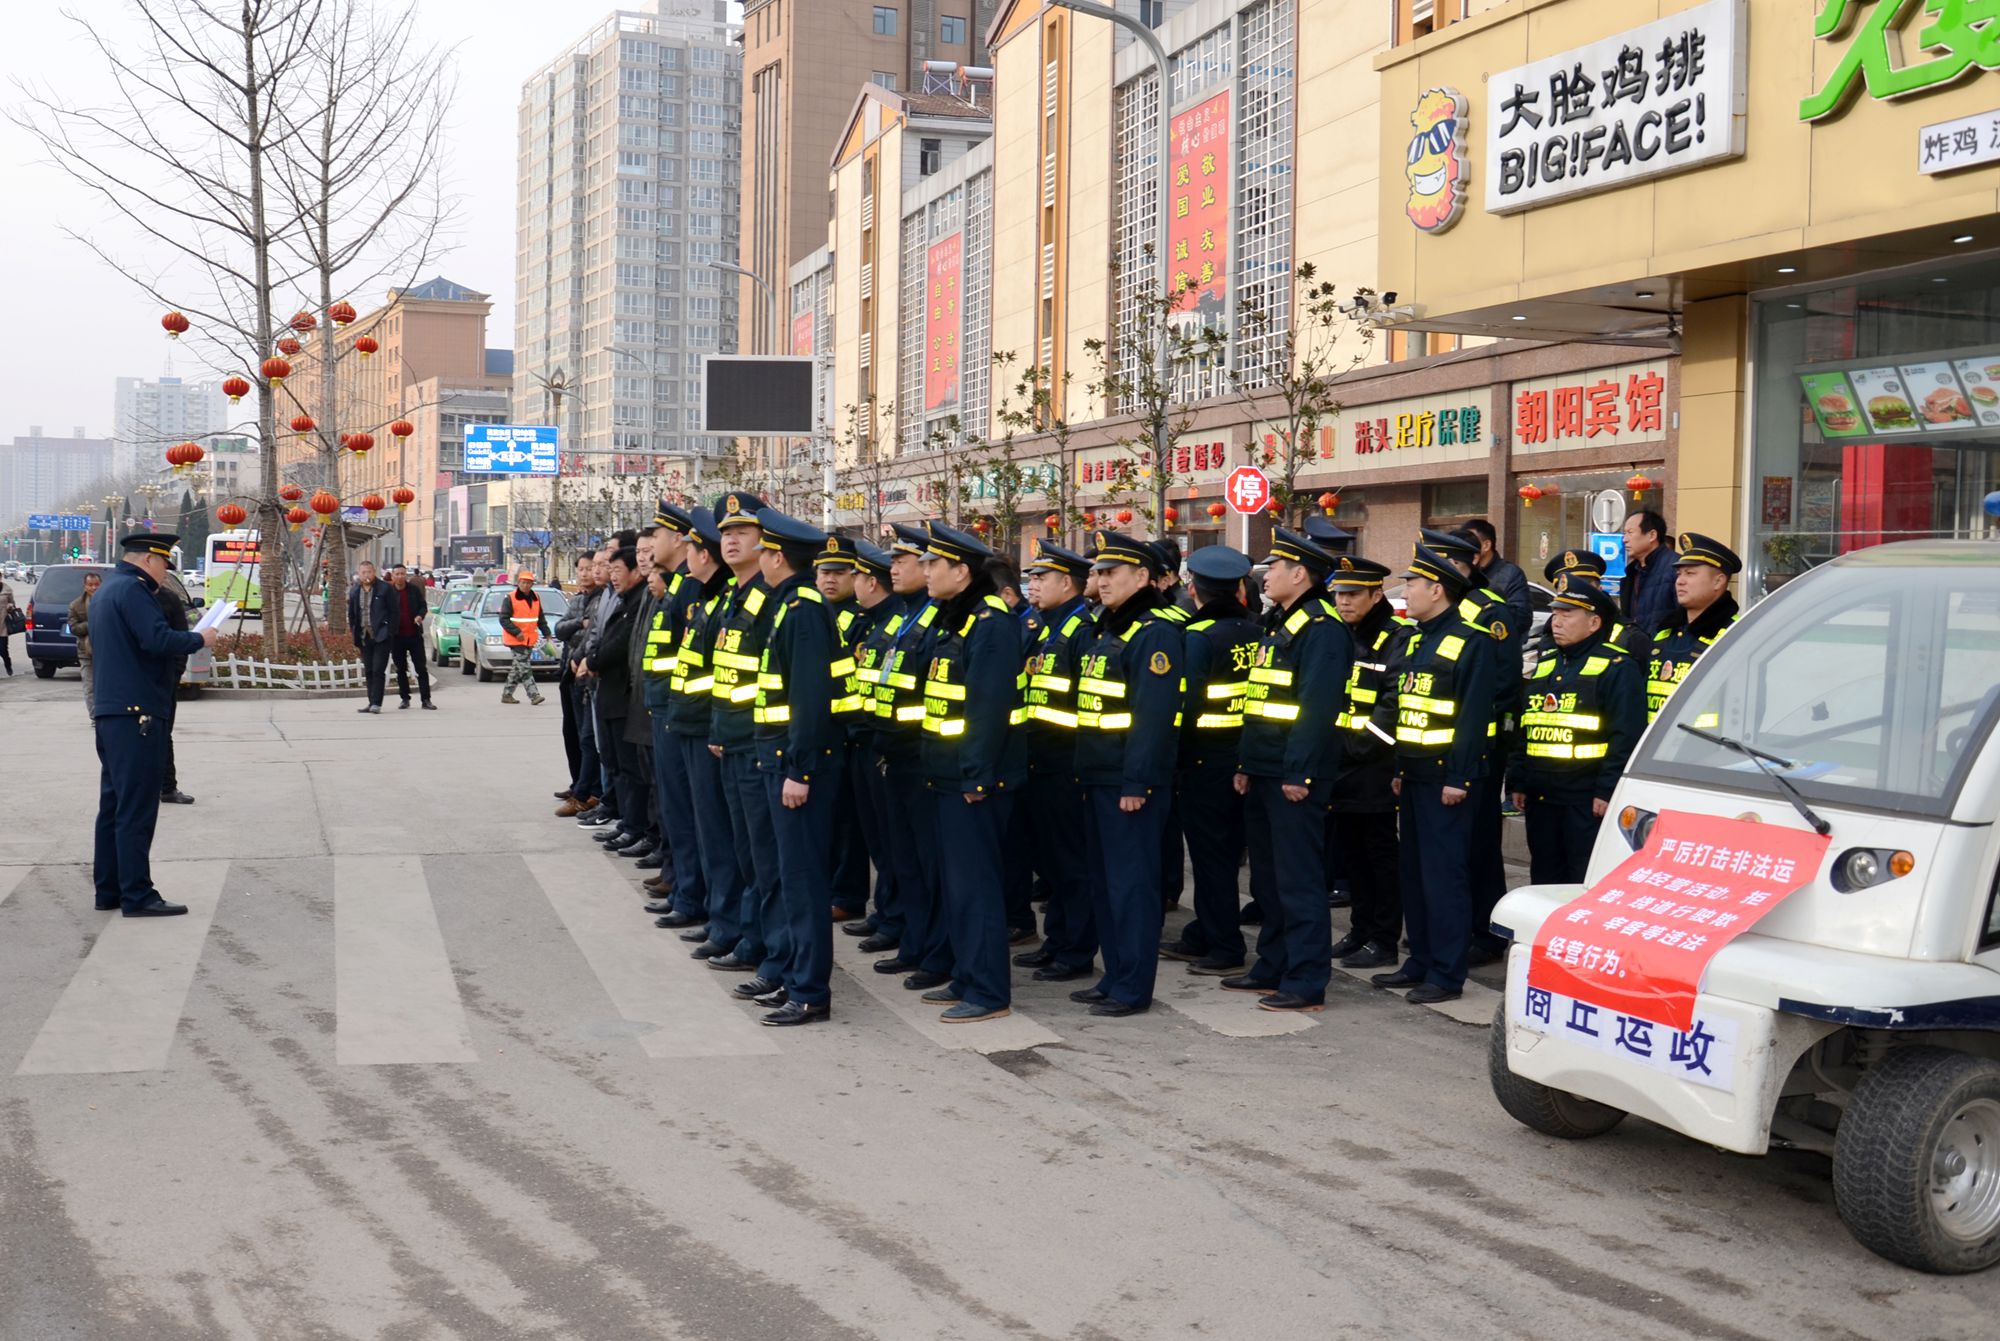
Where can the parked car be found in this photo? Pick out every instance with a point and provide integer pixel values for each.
(51, 646)
(441, 630)
(1860, 1017)
(482, 651)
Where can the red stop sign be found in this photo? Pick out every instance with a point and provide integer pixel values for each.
(1247, 490)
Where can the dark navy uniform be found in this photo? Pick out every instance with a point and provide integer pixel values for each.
(659, 669)
(1297, 682)
(899, 718)
(856, 711)
(1444, 732)
(690, 716)
(1681, 640)
(1055, 800)
(1583, 563)
(850, 845)
(1221, 643)
(137, 656)
(801, 676)
(974, 762)
(1584, 710)
(1364, 806)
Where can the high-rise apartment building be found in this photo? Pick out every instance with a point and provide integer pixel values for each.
(804, 62)
(629, 172)
(152, 414)
(38, 473)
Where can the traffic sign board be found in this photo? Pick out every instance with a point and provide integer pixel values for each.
(1610, 548)
(58, 521)
(510, 449)
(1247, 490)
(1607, 510)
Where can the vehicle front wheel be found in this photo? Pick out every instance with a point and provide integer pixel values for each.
(1916, 1160)
(465, 661)
(1549, 1111)
(45, 670)
(485, 676)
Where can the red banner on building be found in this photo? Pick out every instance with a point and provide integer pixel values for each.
(1638, 941)
(942, 324)
(1198, 233)
(802, 333)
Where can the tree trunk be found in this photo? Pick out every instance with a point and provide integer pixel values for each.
(271, 574)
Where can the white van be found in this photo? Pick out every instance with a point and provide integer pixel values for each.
(1863, 1011)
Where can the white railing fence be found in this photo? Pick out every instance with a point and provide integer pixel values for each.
(233, 672)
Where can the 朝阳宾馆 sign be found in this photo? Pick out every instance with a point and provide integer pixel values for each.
(1656, 99)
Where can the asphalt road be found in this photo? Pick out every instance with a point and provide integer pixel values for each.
(417, 1066)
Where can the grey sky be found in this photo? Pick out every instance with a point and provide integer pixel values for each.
(69, 325)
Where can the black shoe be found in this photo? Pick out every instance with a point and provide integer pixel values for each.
(1339, 898)
(773, 999)
(1481, 955)
(876, 944)
(1119, 1008)
(1182, 951)
(1348, 944)
(157, 908)
(1250, 916)
(758, 986)
(1291, 1001)
(1243, 982)
(1218, 966)
(566, 794)
(1425, 995)
(860, 926)
(1369, 956)
(619, 839)
(697, 936)
(797, 1012)
(367, 707)
(894, 964)
(730, 963)
(662, 909)
(430, 706)
(110, 907)
(1063, 972)
(1041, 958)
(652, 862)
(176, 797)
(708, 950)
(1021, 935)
(593, 819)
(638, 851)
(920, 981)
(674, 921)
(1088, 996)
(404, 706)
(1396, 979)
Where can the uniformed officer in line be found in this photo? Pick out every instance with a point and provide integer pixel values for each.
(1364, 806)
(1221, 640)
(1444, 733)
(1588, 565)
(875, 605)
(1173, 607)
(833, 574)
(1128, 701)
(975, 760)
(1335, 540)
(689, 717)
(745, 623)
(802, 756)
(1484, 607)
(899, 717)
(1289, 759)
(1054, 798)
(138, 656)
(1701, 587)
(684, 901)
(1583, 711)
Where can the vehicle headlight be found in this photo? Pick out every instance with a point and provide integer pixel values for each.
(493, 640)
(1636, 825)
(1861, 867)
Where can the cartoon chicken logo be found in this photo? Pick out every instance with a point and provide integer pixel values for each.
(1437, 168)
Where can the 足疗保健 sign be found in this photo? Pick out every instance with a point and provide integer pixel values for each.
(1656, 99)
(1637, 942)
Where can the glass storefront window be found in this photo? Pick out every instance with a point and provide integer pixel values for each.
(1561, 518)
(1877, 416)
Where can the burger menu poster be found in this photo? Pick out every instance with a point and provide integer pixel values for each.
(1981, 377)
(1885, 400)
(1833, 404)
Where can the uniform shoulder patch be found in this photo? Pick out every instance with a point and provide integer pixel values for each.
(1160, 664)
(1498, 630)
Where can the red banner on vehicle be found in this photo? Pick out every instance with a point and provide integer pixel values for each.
(941, 323)
(1198, 231)
(1639, 940)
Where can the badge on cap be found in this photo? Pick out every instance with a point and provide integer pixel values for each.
(731, 504)
(833, 545)
(1569, 558)
(1100, 539)
(1346, 565)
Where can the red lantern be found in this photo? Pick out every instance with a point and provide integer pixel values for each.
(1052, 521)
(325, 504)
(291, 493)
(981, 526)
(372, 504)
(403, 495)
(302, 423)
(297, 517)
(1173, 515)
(364, 345)
(340, 313)
(1216, 510)
(231, 514)
(1090, 518)
(359, 443)
(1529, 493)
(304, 321)
(1273, 511)
(275, 371)
(182, 455)
(1329, 502)
(289, 346)
(235, 388)
(1639, 484)
(175, 324)
(402, 428)
(1124, 516)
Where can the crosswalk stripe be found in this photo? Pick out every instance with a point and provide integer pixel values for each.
(1007, 1034)
(395, 998)
(11, 878)
(646, 973)
(1233, 1014)
(124, 1003)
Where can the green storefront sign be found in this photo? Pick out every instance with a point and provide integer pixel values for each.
(1956, 38)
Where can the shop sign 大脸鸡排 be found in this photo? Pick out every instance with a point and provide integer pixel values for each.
(1656, 99)
(1422, 430)
(1624, 406)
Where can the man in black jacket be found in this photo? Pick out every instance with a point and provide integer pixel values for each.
(371, 620)
(408, 607)
(610, 664)
(1364, 805)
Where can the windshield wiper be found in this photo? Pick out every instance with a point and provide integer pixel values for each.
(1760, 758)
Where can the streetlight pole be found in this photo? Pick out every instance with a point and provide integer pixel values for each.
(770, 295)
(556, 384)
(1163, 364)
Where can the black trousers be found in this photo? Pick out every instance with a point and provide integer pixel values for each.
(1211, 815)
(1173, 858)
(1371, 863)
(1488, 872)
(130, 754)
(1055, 805)
(849, 838)
(572, 746)
(408, 647)
(1017, 860)
(1436, 845)
(1288, 883)
(1561, 832)
(170, 777)
(375, 668)
(626, 778)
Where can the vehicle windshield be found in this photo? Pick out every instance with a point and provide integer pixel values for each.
(63, 583)
(554, 602)
(1876, 684)
(457, 601)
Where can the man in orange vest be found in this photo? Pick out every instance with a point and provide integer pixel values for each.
(522, 625)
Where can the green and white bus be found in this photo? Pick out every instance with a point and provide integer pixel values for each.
(231, 570)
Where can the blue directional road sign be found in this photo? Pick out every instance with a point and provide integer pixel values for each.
(511, 449)
(1609, 547)
(58, 521)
